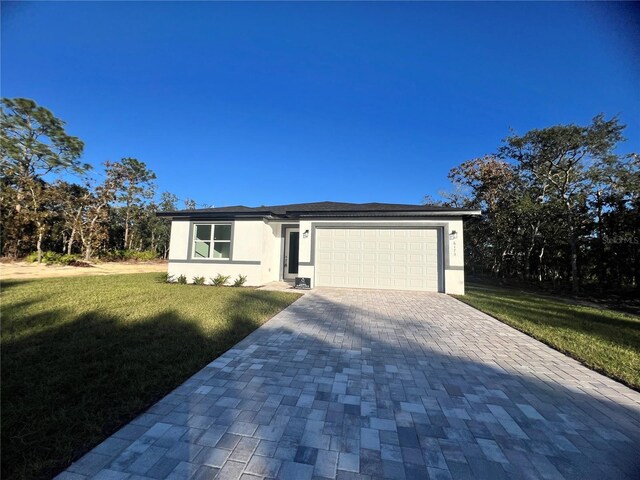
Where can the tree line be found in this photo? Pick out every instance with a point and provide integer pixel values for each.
(560, 205)
(41, 210)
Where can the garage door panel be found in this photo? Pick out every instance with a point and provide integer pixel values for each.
(416, 247)
(400, 258)
(377, 258)
(368, 269)
(368, 257)
(417, 270)
(383, 247)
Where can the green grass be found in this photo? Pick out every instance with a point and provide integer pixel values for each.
(605, 340)
(82, 356)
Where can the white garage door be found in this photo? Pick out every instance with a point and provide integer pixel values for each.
(403, 259)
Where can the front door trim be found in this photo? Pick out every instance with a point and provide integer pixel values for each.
(286, 232)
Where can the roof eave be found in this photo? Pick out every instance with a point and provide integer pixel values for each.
(293, 215)
(412, 213)
(214, 215)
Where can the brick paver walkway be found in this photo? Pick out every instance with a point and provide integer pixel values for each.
(360, 384)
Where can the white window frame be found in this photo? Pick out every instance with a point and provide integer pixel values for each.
(211, 241)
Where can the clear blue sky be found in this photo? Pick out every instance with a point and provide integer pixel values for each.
(267, 103)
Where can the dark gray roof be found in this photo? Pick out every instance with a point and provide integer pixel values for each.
(323, 209)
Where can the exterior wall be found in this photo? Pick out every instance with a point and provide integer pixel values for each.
(454, 260)
(179, 242)
(453, 248)
(272, 246)
(247, 249)
(247, 240)
(208, 271)
(257, 249)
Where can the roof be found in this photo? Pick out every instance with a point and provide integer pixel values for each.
(321, 209)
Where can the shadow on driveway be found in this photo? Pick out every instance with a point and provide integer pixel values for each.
(370, 384)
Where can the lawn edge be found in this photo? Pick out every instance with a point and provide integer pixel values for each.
(557, 348)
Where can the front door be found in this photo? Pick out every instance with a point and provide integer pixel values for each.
(291, 249)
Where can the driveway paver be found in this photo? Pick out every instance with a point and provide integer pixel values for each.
(363, 384)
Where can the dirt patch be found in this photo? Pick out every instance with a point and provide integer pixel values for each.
(33, 270)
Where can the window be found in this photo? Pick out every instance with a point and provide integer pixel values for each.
(212, 241)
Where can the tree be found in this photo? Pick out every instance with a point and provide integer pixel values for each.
(17, 230)
(558, 204)
(168, 202)
(34, 144)
(614, 200)
(190, 204)
(92, 228)
(490, 185)
(135, 187)
(557, 159)
(71, 200)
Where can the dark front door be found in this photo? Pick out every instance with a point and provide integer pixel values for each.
(292, 252)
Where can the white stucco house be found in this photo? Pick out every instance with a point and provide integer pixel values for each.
(369, 245)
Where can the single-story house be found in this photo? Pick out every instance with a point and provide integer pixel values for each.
(368, 245)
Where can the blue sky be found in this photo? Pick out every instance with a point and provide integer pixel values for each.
(267, 103)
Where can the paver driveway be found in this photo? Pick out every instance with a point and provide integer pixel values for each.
(378, 384)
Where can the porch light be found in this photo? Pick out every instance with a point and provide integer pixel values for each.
(305, 234)
(453, 235)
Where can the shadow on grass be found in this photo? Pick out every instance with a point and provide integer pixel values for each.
(547, 311)
(11, 283)
(67, 386)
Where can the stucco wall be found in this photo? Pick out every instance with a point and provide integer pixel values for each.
(246, 253)
(258, 248)
(208, 271)
(179, 240)
(454, 268)
(247, 240)
(271, 252)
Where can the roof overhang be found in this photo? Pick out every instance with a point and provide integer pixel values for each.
(439, 213)
(309, 215)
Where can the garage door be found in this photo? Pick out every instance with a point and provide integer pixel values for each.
(404, 259)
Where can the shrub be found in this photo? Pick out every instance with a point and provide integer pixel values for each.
(143, 256)
(32, 257)
(240, 281)
(51, 258)
(220, 280)
(71, 259)
(112, 255)
(198, 280)
(166, 278)
(136, 255)
(182, 280)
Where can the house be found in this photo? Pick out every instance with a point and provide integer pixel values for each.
(368, 245)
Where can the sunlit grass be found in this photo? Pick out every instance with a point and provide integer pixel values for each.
(81, 356)
(605, 340)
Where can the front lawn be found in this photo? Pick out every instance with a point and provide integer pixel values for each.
(82, 356)
(605, 340)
